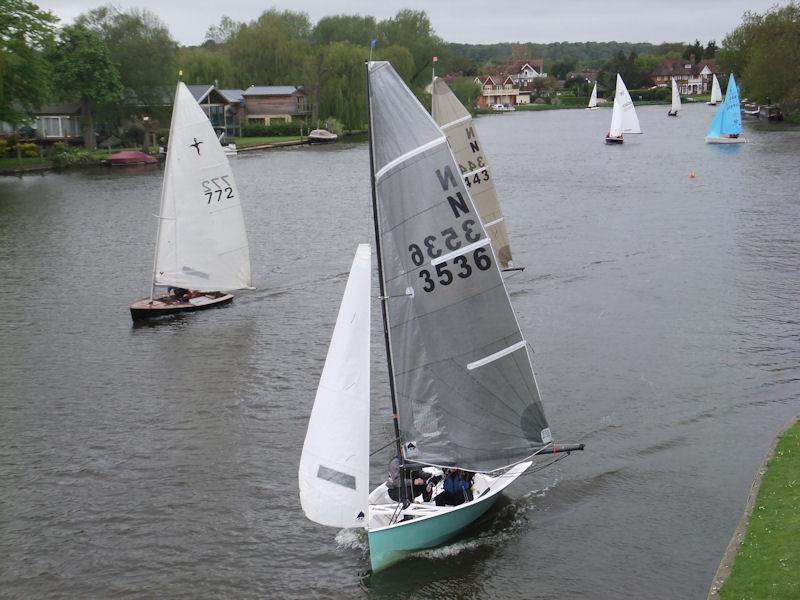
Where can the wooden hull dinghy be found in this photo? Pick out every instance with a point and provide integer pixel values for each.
(165, 305)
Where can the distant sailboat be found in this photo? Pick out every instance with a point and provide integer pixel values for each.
(201, 244)
(593, 98)
(716, 92)
(623, 115)
(726, 128)
(463, 393)
(676, 100)
(456, 123)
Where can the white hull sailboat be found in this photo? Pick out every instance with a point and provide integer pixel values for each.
(201, 244)
(464, 396)
(726, 128)
(676, 100)
(456, 123)
(716, 92)
(593, 99)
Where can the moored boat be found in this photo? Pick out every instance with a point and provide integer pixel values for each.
(321, 136)
(130, 157)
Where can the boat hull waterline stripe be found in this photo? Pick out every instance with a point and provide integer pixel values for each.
(460, 251)
(497, 355)
(410, 154)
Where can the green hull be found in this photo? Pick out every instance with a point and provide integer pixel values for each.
(390, 544)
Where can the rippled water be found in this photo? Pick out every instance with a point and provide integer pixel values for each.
(161, 460)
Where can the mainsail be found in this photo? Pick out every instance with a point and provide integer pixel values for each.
(593, 98)
(456, 123)
(464, 384)
(334, 466)
(615, 130)
(202, 242)
(676, 97)
(716, 92)
(728, 120)
(630, 122)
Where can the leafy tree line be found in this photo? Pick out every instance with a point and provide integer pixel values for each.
(764, 53)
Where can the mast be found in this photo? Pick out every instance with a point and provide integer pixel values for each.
(163, 191)
(403, 496)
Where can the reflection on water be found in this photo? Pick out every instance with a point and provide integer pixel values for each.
(162, 458)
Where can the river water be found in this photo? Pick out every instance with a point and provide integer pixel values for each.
(161, 460)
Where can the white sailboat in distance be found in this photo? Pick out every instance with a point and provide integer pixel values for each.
(593, 98)
(676, 100)
(465, 404)
(716, 91)
(201, 244)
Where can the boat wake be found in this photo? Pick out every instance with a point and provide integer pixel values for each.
(352, 539)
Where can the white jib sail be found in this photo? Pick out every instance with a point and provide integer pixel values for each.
(716, 91)
(630, 122)
(593, 99)
(202, 242)
(615, 130)
(334, 467)
(676, 97)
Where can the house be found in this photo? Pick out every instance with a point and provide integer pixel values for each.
(224, 108)
(691, 77)
(58, 121)
(496, 91)
(510, 83)
(265, 104)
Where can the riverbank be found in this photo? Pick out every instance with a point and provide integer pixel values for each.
(762, 559)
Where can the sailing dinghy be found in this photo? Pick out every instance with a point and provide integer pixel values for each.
(593, 98)
(461, 382)
(676, 100)
(201, 244)
(726, 128)
(716, 92)
(455, 121)
(623, 115)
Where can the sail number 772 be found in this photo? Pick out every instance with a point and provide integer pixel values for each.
(213, 190)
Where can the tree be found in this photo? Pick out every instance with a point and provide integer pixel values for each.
(26, 32)
(142, 47)
(711, 49)
(220, 34)
(412, 29)
(84, 71)
(695, 49)
(354, 29)
(467, 91)
(560, 69)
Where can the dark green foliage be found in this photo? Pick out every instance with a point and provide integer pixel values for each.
(656, 95)
(275, 129)
(695, 49)
(26, 32)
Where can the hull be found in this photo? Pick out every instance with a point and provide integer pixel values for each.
(612, 141)
(723, 140)
(432, 525)
(163, 306)
(321, 136)
(130, 157)
(591, 108)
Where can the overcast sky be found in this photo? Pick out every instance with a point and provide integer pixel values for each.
(471, 21)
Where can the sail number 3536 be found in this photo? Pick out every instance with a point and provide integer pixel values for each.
(213, 190)
(442, 274)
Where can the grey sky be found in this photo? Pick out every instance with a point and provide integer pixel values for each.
(471, 21)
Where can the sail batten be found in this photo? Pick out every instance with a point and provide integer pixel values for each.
(434, 243)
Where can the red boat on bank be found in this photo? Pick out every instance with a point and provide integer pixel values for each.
(130, 157)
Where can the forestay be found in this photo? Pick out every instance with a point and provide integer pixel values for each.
(630, 122)
(464, 385)
(202, 243)
(456, 123)
(334, 466)
(728, 120)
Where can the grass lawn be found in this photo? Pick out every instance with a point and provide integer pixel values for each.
(11, 163)
(768, 562)
(244, 142)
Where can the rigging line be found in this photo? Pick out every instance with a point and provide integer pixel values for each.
(394, 441)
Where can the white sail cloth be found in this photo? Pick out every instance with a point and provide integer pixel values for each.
(464, 385)
(456, 123)
(334, 466)
(202, 242)
(676, 97)
(630, 122)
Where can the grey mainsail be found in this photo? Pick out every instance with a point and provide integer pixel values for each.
(464, 385)
(456, 123)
